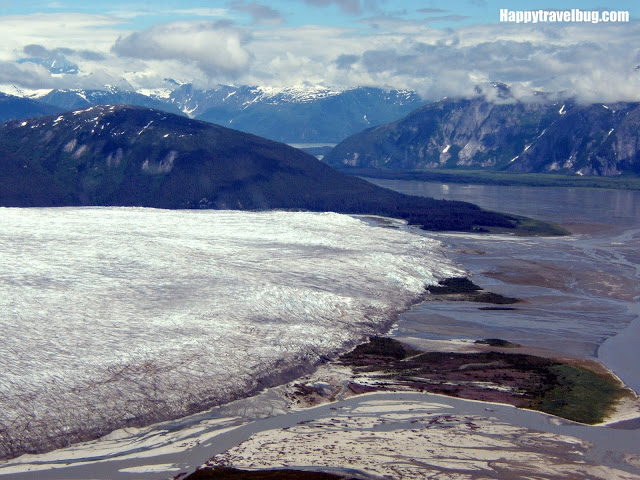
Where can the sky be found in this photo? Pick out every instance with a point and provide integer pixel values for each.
(435, 47)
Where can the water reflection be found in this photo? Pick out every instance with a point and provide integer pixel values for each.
(614, 207)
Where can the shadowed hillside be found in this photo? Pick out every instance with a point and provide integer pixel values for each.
(132, 156)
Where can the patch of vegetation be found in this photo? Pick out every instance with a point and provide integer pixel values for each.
(225, 473)
(381, 347)
(524, 226)
(572, 392)
(453, 285)
(495, 298)
(513, 360)
(578, 394)
(470, 291)
(497, 342)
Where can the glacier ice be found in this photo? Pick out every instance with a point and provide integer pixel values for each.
(113, 317)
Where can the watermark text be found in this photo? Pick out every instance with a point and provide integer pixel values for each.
(563, 16)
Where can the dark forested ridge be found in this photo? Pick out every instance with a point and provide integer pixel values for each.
(12, 108)
(132, 156)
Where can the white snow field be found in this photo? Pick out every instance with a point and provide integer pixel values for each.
(112, 317)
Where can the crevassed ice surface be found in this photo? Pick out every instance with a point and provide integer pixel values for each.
(119, 316)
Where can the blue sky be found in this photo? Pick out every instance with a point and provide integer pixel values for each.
(435, 47)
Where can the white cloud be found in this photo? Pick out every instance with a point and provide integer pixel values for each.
(171, 12)
(346, 6)
(592, 63)
(28, 75)
(260, 14)
(68, 30)
(216, 48)
(198, 12)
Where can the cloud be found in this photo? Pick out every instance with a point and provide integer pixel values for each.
(430, 11)
(447, 18)
(159, 10)
(590, 63)
(261, 14)
(216, 48)
(529, 59)
(36, 51)
(345, 61)
(31, 75)
(35, 76)
(347, 6)
(40, 51)
(197, 12)
(75, 31)
(71, 44)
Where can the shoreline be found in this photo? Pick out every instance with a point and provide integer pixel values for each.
(625, 409)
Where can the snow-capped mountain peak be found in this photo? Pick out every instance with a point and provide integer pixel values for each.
(24, 92)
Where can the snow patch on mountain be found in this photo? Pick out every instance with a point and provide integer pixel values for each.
(23, 92)
(158, 93)
(297, 94)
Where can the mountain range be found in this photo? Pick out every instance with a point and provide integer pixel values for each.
(290, 115)
(12, 107)
(392, 129)
(506, 134)
(134, 156)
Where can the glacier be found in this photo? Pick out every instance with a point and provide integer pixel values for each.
(124, 316)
